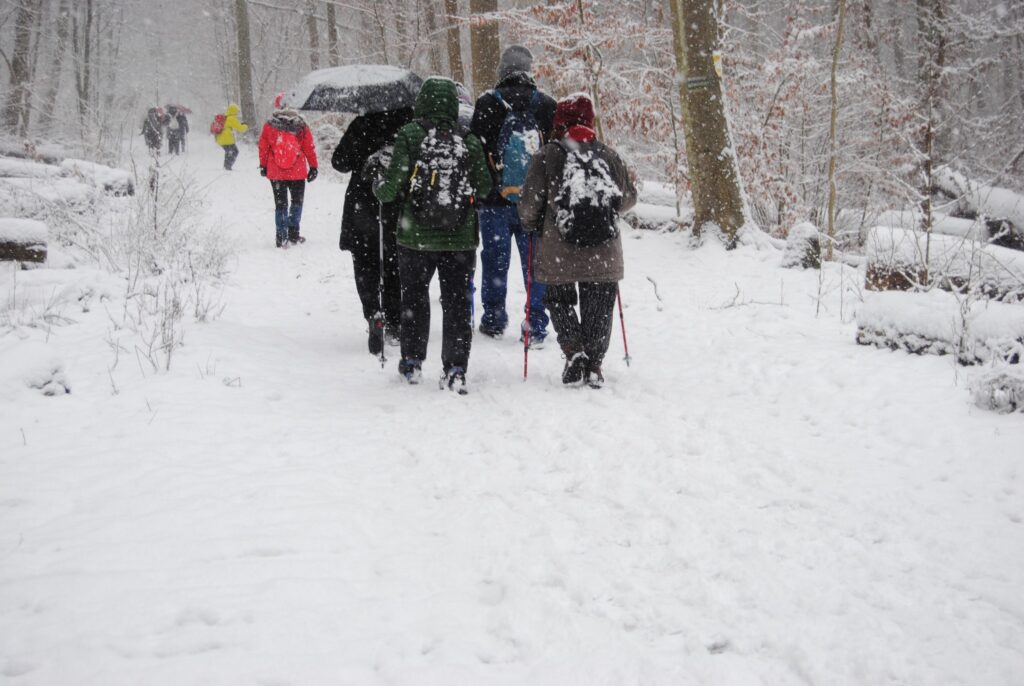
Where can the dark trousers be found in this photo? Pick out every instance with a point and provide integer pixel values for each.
(589, 331)
(454, 268)
(286, 218)
(366, 266)
(174, 143)
(230, 155)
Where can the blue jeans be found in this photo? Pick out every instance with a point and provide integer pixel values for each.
(497, 227)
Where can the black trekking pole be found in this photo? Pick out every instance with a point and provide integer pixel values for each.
(622, 325)
(378, 319)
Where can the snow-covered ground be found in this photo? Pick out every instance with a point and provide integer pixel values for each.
(755, 501)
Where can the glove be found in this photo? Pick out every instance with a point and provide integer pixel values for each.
(311, 175)
(263, 171)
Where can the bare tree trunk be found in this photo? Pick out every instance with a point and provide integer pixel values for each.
(451, 10)
(82, 39)
(314, 35)
(333, 57)
(484, 43)
(833, 89)
(244, 61)
(16, 114)
(53, 87)
(716, 193)
(931, 65)
(433, 38)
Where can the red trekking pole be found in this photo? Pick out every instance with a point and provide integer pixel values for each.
(526, 326)
(622, 325)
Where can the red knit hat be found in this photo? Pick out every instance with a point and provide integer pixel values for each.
(575, 110)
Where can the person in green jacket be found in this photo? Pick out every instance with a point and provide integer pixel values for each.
(226, 137)
(437, 171)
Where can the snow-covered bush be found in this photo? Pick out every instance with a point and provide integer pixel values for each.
(1000, 389)
(803, 247)
(172, 265)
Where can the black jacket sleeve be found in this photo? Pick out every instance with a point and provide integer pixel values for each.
(358, 143)
(488, 117)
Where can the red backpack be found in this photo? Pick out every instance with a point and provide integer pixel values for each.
(217, 126)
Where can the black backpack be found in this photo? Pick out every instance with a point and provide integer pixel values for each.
(440, 194)
(588, 200)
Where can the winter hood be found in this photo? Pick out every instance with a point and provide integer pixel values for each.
(287, 120)
(233, 109)
(438, 100)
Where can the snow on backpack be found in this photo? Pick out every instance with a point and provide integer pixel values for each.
(519, 139)
(588, 200)
(217, 125)
(439, 190)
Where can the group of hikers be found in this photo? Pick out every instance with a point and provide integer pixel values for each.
(425, 191)
(171, 119)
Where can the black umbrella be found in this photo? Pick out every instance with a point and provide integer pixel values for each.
(355, 88)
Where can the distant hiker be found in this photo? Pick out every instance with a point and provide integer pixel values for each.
(286, 146)
(153, 128)
(177, 129)
(224, 127)
(574, 192)
(512, 121)
(365, 151)
(439, 170)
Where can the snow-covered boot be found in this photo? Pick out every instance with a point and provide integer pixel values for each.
(595, 379)
(391, 335)
(410, 370)
(454, 380)
(575, 368)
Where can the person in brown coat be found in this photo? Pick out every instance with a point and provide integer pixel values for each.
(575, 189)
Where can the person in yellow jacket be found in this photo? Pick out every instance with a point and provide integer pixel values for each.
(226, 137)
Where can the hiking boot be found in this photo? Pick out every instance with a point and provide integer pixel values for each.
(296, 240)
(491, 331)
(410, 370)
(454, 380)
(536, 341)
(595, 379)
(392, 336)
(575, 368)
(278, 242)
(375, 340)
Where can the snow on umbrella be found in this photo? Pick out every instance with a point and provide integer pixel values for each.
(355, 88)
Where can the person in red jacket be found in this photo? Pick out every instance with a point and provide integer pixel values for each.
(286, 146)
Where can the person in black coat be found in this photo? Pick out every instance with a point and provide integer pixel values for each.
(499, 219)
(364, 151)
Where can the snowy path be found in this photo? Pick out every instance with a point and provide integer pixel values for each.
(756, 501)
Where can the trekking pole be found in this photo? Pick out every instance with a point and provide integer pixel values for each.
(622, 325)
(529, 288)
(378, 319)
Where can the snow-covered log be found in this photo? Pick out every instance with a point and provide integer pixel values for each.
(1000, 209)
(27, 169)
(22, 240)
(942, 323)
(109, 179)
(896, 261)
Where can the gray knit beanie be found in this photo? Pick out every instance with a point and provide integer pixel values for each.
(516, 58)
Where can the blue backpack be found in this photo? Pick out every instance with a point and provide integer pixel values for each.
(520, 138)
